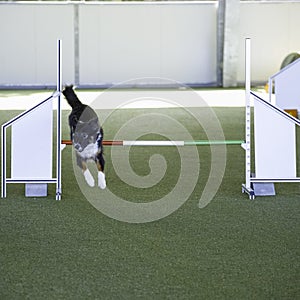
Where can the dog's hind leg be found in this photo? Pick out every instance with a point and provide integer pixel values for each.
(100, 166)
(85, 171)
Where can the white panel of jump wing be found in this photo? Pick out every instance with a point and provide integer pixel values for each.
(275, 138)
(287, 87)
(31, 144)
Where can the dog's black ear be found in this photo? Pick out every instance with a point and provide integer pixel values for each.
(68, 87)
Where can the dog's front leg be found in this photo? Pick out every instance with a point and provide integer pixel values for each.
(101, 175)
(86, 172)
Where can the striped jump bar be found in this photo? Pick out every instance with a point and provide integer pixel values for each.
(166, 143)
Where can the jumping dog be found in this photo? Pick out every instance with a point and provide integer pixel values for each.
(86, 136)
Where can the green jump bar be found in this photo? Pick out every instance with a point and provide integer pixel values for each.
(214, 142)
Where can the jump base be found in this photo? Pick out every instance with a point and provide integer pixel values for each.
(36, 189)
(264, 189)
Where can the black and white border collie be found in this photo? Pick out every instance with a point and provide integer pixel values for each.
(86, 136)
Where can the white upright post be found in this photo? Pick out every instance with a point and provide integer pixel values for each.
(3, 163)
(58, 135)
(248, 110)
(247, 187)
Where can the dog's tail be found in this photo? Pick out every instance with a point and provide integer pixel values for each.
(71, 97)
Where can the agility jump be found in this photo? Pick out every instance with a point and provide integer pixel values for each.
(275, 143)
(274, 137)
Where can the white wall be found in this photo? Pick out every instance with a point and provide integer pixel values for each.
(28, 43)
(122, 41)
(274, 31)
(117, 42)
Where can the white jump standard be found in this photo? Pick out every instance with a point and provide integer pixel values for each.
(32, 145)
(275, 143)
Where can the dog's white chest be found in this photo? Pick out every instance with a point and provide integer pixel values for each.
(89, 151)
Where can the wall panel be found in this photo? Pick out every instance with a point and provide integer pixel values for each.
(122, 41)
(274, 31)
(28, 43)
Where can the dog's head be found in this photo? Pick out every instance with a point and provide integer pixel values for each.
(86, 133)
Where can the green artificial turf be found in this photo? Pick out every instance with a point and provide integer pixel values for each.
(233, 248)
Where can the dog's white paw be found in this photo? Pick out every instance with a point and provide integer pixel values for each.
(101, 180)
(89, 178)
